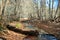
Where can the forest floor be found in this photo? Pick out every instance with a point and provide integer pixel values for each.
(50, 28)
(11, 35)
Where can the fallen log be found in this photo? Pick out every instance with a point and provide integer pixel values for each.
(31, 32)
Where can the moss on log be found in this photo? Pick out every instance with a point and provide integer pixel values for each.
(31, 32)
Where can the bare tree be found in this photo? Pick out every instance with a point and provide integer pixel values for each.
(42, 9)
(3, 8)
(58, 8)
(49, 9)
(52, 8)
(37, 8)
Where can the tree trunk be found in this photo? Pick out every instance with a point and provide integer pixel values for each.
(57, 10)
(3, 7)
(49, 9)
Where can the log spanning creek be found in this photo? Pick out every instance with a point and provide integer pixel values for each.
(33, 33)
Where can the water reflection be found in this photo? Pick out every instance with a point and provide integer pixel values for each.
(46, 37)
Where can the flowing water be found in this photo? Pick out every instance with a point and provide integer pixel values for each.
(42, 34)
